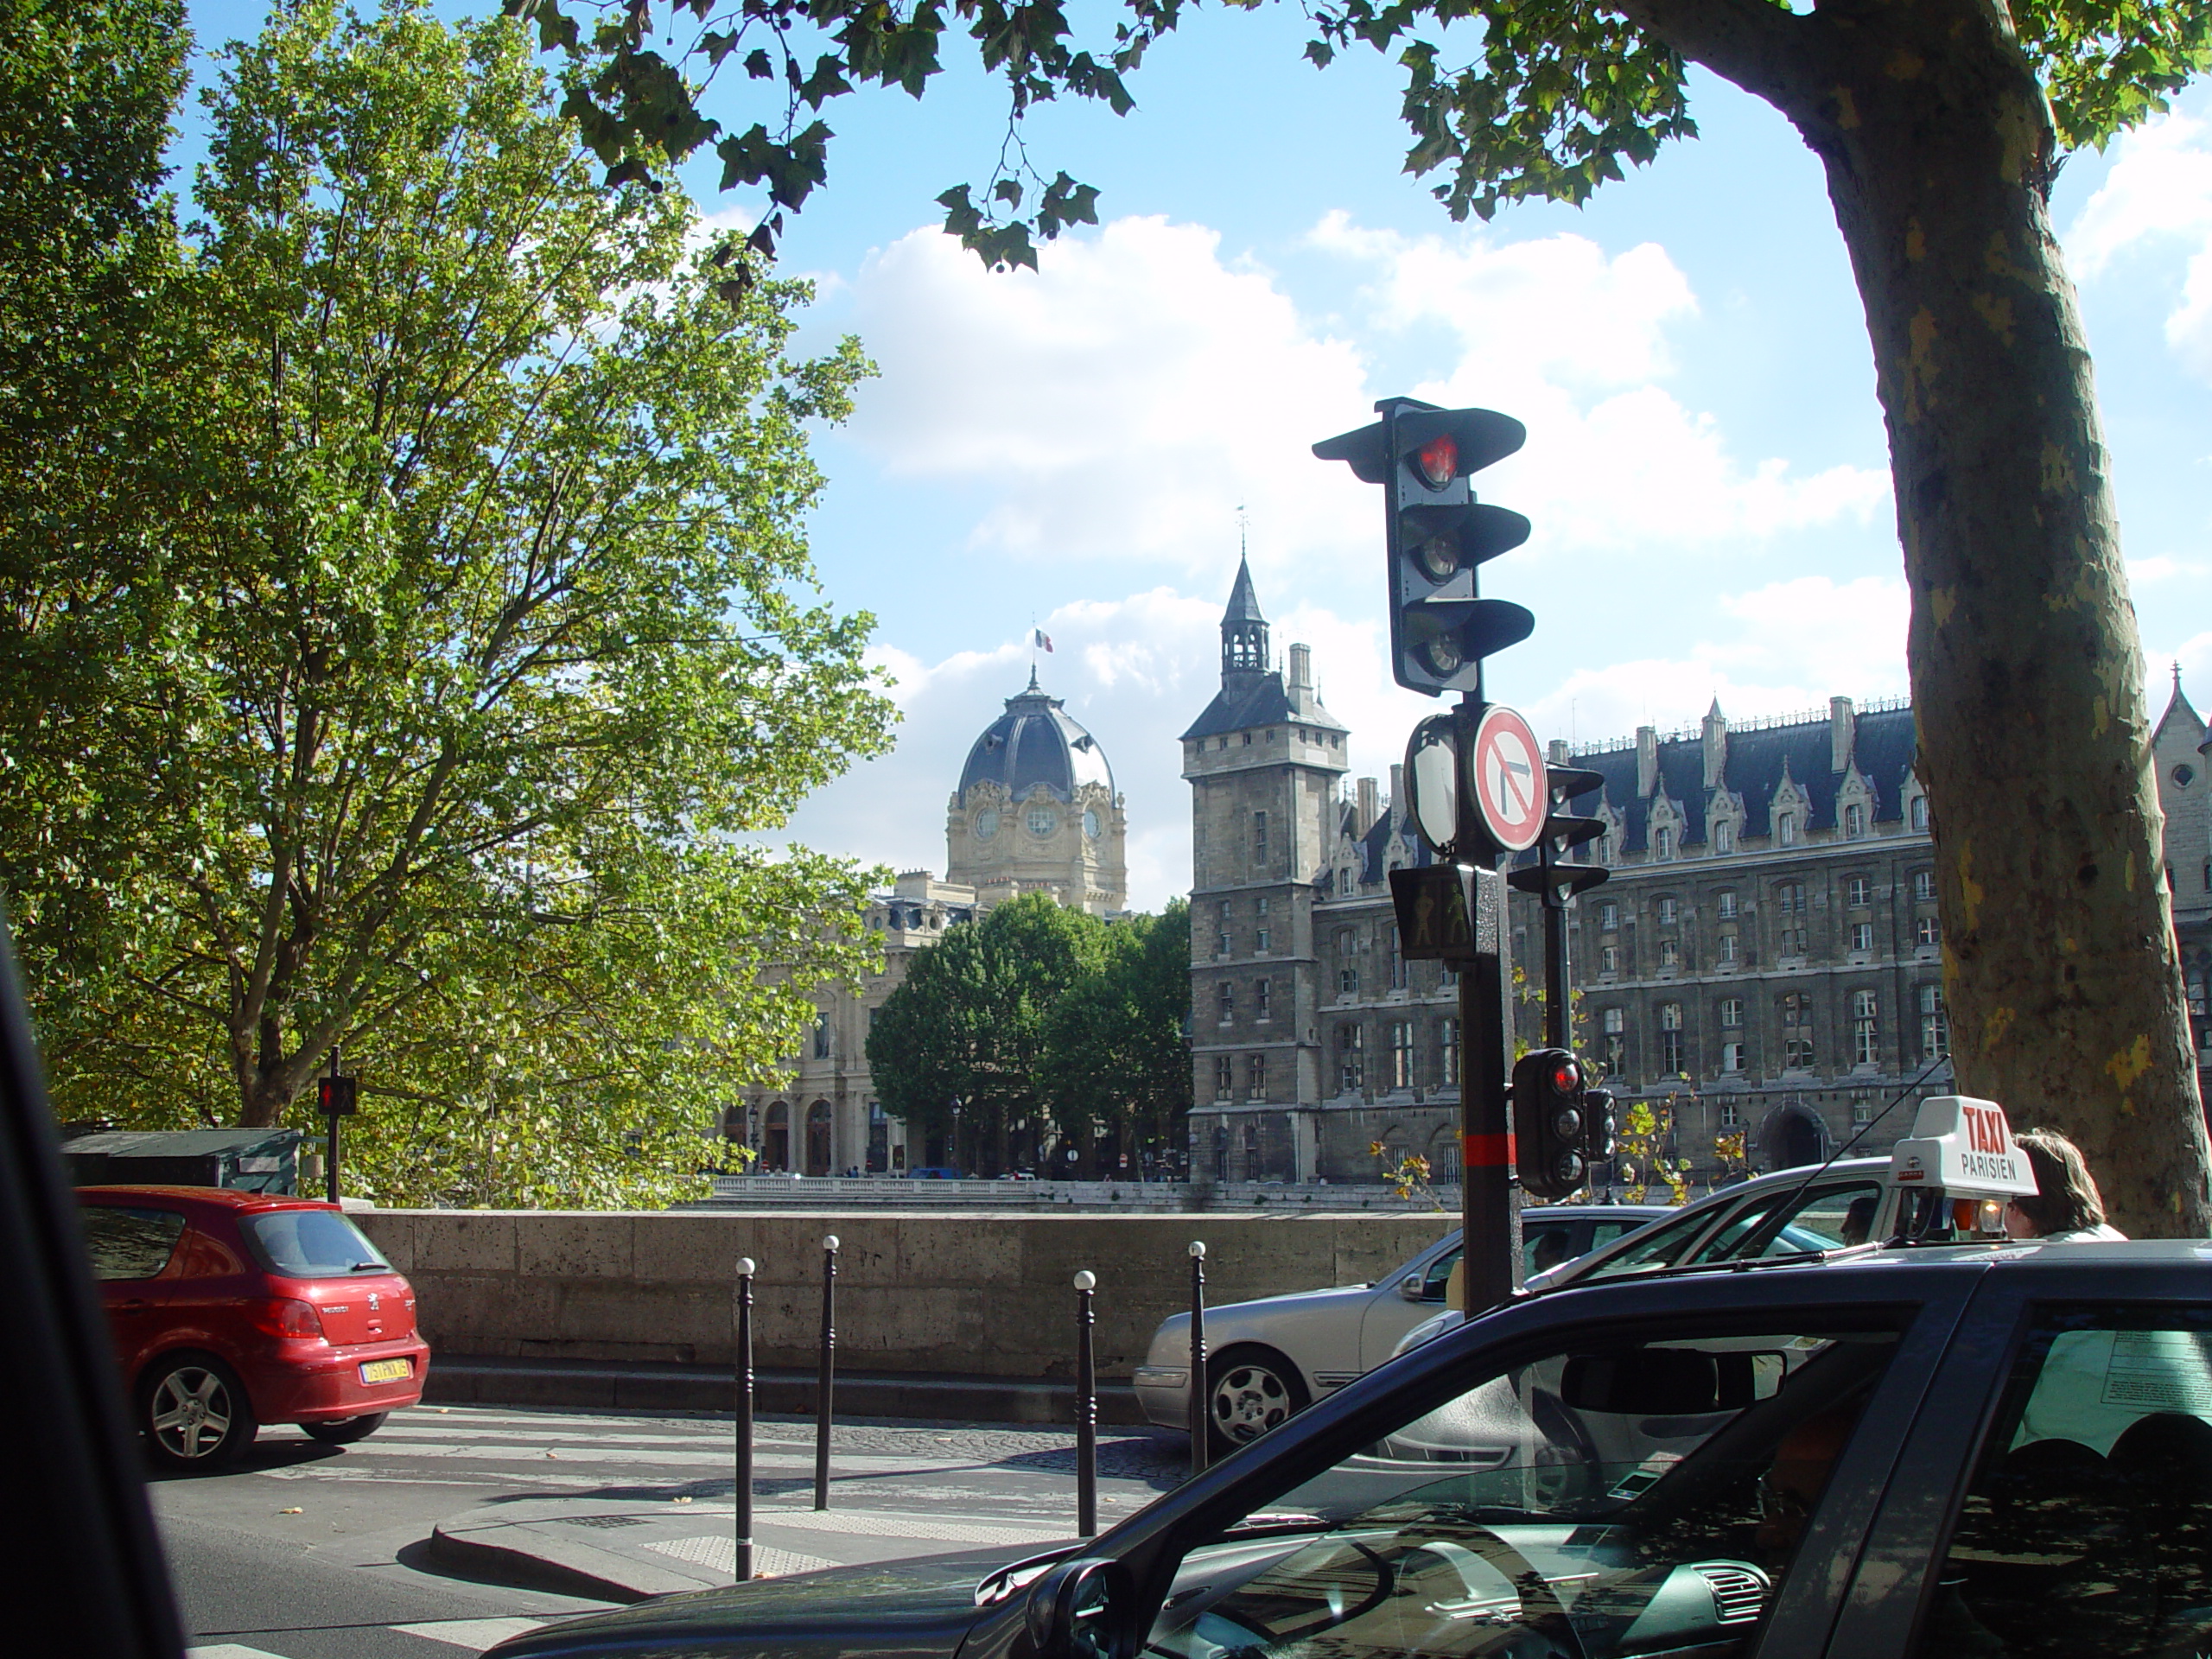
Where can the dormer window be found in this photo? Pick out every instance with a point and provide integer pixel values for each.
(1724, 836)
(1854, 820)
(1785, 830)
(1662, 843)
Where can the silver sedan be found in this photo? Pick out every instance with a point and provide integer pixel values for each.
(1269, 1358)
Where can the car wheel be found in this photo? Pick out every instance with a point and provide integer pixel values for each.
(344, 1430)
(1248, 1391)
(194, 1412)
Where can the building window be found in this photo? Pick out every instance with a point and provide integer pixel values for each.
(1934, 1024)
(1662, 844)
(1855, 892)
(1785, 828)
(1256, 1071)
(1225, 996)
(1854, 820)
(1609, 917)
(1792, 942)
(1862, 936)
(1402, 1054)
(1731, 1057)
(1789, 898)
(1448, 1037)
(1602, 849)
(1613, 1021)
(1667, 913)
(1862, 1110)
(1260, 940)
(1670, 1037)
(1397, 962)
(1725, 903)
(1928, 929)
(1796, 1010)
(1728, 950)
(1351, 1059)
(1448, 975)
(1347, 981)
(1924, 886)
(1224, 1077)
(1919, 813)
(1042, 821)
(1344, 941)
(1732, 1117)
(1724, 836)
(1609, 959)
(1221, 938)
(1866, 1046)
(1670, 954)
(1260, 837)
(821, 1036)
(1731, 1010)
(1260, 998)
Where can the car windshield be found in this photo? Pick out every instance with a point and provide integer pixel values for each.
(312, 1244)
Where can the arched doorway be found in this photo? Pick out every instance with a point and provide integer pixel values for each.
(776, 1144)
(1792, 1138)
(817, 1138)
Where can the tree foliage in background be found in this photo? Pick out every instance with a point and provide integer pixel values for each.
(1034, 1018)
(1116, 1058)
(454, 619)
(1940, 126)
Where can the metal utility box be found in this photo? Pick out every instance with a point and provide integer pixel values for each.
(257, 1160)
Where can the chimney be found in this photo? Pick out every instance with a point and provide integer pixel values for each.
(1369, 810)
(1716, 745)
(1647, 760)
(1843, 733)
(1301, 669)
(1555, 752)
(1398, 802)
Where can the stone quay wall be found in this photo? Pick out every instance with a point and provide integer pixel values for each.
(975, 1294)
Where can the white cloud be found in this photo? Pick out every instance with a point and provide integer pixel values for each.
(2159, 191)
(1121, 401)
(1575, 342)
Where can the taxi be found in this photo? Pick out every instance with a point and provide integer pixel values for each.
(1948, 1446)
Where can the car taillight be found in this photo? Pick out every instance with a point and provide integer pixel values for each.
(284, 1316)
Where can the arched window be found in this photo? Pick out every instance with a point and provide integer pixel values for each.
(819, 1149)
(1662, 843)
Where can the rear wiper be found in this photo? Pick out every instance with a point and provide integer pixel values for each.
(370, 1266)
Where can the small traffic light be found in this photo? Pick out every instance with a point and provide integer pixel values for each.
(1437, 533)
(1548, 1124)
(335, 1096)
(1600, 1124)
(1551, 877)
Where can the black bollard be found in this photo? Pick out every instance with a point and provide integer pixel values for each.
(1086, 1412)
(743, 1522)
(1198, 1416)
(828, 1371)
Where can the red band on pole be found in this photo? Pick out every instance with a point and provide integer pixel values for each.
(1488, 1151)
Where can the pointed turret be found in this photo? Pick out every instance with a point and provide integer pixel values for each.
(1243, 630)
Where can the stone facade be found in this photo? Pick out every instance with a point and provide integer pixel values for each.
(1765, 961)
(1036, 811)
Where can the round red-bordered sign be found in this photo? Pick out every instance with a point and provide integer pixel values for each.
(1505, 770)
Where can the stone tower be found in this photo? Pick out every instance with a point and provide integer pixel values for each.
(1263, 762)
(1036, 812)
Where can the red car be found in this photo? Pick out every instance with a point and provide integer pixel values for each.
(232, 1309)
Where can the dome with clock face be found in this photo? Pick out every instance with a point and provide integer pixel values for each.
(1036, 810)
(1036, 745)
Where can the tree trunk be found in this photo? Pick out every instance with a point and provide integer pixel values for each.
(2060, 961)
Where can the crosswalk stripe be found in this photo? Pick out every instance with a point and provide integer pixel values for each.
(474, 1634)
(230, 1651)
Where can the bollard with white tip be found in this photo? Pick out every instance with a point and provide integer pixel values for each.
(1086, 1410)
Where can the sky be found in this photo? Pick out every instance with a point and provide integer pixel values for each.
(1084, 449)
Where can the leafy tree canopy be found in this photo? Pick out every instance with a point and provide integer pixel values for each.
(463, 623)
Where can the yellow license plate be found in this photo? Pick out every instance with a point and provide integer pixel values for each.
(387, 1370)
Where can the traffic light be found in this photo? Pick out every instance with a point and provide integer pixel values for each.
(1437, 534)
(1551, 877)
(1549, 1128)
(335, 1096)
(1600, 1124)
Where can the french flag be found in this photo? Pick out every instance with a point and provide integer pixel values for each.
(1043, 638)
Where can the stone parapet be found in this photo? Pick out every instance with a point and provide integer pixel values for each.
(972, 1294)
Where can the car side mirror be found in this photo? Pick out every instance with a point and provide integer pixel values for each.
(1084, 1609)
(1410, 1286)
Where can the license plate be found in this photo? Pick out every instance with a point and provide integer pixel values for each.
(387, 1370)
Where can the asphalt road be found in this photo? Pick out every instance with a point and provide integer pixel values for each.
(306, 1551)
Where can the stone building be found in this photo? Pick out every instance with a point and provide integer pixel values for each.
(1765, 960)
(1035, 811)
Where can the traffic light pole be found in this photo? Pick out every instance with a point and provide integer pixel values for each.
(1556, 1011)
(1490, 1196)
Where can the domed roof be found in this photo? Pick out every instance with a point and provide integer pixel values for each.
(1035, 742)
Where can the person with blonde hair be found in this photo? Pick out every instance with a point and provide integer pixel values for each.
(2066, 1206)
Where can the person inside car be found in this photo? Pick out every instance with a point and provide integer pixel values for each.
(2066, 1205)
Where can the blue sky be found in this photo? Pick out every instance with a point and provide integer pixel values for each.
(1706, 466)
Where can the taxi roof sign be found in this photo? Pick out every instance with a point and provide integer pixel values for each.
(1964, 1147)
